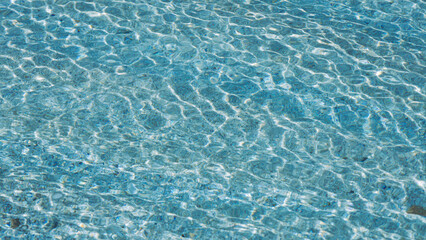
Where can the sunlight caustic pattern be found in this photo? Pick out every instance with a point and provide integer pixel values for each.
(226, 119)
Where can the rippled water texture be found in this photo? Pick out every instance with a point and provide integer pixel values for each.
(261, 119)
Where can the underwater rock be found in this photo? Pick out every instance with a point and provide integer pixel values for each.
(15, 223)
(418, 210)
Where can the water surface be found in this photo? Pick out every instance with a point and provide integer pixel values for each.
(299, 119)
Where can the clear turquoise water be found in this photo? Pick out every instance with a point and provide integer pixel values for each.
(212, 119)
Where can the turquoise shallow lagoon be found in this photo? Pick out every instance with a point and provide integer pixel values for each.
(202, 119)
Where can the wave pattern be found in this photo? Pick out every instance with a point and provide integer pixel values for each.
(243, 119)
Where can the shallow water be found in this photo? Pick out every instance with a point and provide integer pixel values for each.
(299, 119)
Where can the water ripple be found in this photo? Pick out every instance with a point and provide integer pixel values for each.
(239, 119)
